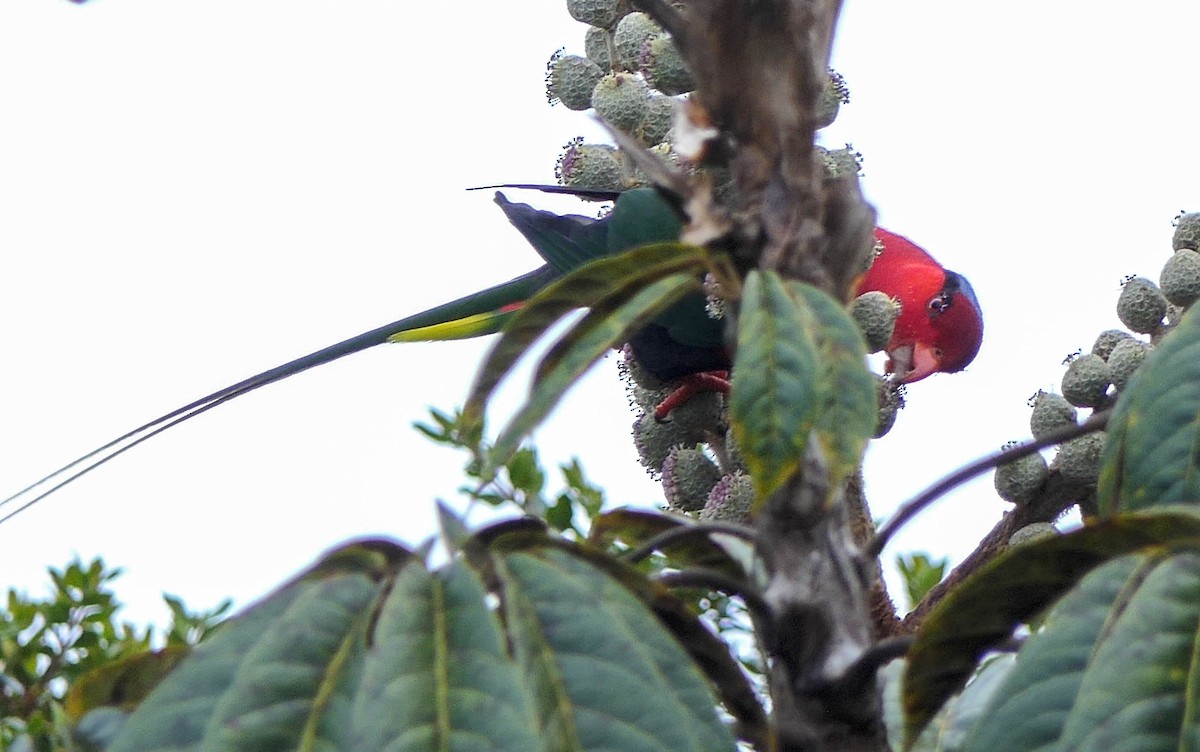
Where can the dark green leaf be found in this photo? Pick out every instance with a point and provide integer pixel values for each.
(709, 652)
(604, 673)
(438, 675)
(920, 574)
(948, 730)
(454, 529)
(584, 287)
(773, 402)
(599, 337)
(268, 679)
(602, 309)
(847, 401)
(561, 514)
(1140, 688)
(1030, 707)
(590, 497)
(525, 473)
(123, 683)
(1152, 456)
(987, 607)
(633, 527)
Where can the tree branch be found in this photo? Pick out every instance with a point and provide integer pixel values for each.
(1056, 497)
(907, 511)
(682, 533)
(761, 66)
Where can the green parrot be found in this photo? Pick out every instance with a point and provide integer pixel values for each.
(681, 342)
(939, 330)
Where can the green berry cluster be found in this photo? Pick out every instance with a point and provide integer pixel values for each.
(633, 76)
(1093, 380)
(692, 451)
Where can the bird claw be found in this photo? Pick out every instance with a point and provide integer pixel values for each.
(688, 387)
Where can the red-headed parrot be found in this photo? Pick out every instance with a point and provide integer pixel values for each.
(939, 324)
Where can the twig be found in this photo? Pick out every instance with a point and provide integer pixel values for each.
(910, 509)
(868, 664)
(713, 580)
(674, 535)
(1056, 496)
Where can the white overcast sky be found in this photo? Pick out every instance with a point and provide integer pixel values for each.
(194, 190)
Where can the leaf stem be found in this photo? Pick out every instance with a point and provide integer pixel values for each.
(910, 509)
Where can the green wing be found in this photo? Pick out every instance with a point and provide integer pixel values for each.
(565, 241)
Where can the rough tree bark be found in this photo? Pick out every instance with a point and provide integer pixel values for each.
(760, 67)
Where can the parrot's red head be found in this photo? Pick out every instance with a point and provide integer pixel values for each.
(940, 326)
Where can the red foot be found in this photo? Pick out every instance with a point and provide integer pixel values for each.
(688, 387)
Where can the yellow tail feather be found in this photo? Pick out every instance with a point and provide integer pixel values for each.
(479, 325)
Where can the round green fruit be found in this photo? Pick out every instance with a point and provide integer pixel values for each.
(1107, 340)
(1086, 382)
(570, 79)
(660, 116)
(688, 475)
(1180, 278)
(730, 500)
(590, 166)
(596, 46)
(1050, 413)
(663, 66)
(1020, 481)
(622, 100)
(1125, 358)
(1141, 305)
(1079, 459)
(633, 31)
(875, 313)
(1187, 232)
(835, 95)
(1035, 531)
(594, 12)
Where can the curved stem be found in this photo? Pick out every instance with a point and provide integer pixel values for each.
(707, 578)
(677, 534)
(910, 509)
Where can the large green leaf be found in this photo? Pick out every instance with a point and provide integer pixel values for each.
(369, 650)
(601, 331)
(708, 652)
(606, 281)
(603, 671)
(438, 675)
(124, 682)
(1029, 709)
(1141, 688)
(774, 397)
(1152, 456)
(986, 608)
(266, 680)
(634, 527)
(847, 403)
(948, 730)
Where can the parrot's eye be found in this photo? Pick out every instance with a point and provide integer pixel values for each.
(938, 304)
